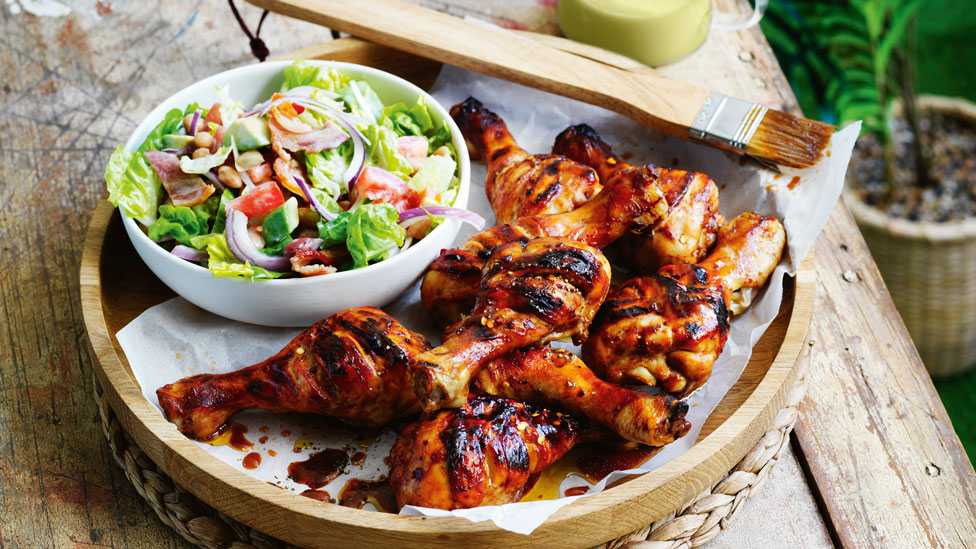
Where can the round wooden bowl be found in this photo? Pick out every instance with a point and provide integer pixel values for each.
(116, 287)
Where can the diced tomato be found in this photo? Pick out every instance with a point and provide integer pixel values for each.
(218, 140)
(260, 200)
(414, 149)
(213, 115)
(380, 185)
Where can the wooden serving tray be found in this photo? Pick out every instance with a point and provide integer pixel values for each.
(116, 287)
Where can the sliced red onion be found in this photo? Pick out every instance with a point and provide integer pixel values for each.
(303, 91)
(409, 217)
(193, 122)
(316, 205)
(241, 246)
(179, 152)
(209, 176)
(359, 147)
(307, 91)
(188, 253)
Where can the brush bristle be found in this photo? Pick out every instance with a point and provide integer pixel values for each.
(789, 140)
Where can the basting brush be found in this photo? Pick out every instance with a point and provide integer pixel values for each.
(671, 107)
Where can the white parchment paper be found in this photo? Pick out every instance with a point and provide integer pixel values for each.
(176, 339)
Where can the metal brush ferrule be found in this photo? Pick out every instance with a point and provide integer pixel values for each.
(727, 121)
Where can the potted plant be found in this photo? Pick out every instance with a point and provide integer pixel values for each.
(912, 181)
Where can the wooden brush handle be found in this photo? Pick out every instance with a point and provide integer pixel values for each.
(666, 105)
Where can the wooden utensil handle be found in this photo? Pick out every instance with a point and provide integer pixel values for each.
(665, 105)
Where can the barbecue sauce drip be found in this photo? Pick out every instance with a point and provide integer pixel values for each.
(232, 435)
(251, 461)
(318, 495)
(592, 462)
(320, 469)
(595, 463)
(358, 492)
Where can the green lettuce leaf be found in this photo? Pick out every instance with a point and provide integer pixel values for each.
(416, 120)
(229, 108)
(183, 223)
(405, 120)
(370, 232)
(362, 100)
(220, 220)
(222, 261)
(382, 151)
(325, 169)
(205, 163)
(303, 73)
(436, 174)
(171, 123)
(133, 186)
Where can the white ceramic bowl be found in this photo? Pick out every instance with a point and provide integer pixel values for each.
(297, 301)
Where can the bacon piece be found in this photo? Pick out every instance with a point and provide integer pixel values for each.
(303, 244)
(184, 189)
(414, 149)
(329, 136)
(260, 174)
(285, 172)
(286, 117)
(380, 185)
(317, 262)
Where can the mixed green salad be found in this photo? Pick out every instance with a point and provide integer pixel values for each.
(321, 177)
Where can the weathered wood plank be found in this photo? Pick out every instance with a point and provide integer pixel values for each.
(880, 446)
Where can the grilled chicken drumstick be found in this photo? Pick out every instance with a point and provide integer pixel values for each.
(558, 378)
(687, 233)
(668, 329)
(749, 248)
(483, 453)
(632, 200)
(350, 365)
(518, 183)
(535, 291)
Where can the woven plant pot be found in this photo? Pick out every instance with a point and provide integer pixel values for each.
(930, 270)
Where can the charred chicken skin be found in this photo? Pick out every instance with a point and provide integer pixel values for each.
(632, 200)
(483, 453)
(351, 365)
(689, 230)
(530, 292)
(656, 331)
(559, 379)
(518, 183)
(668, 329)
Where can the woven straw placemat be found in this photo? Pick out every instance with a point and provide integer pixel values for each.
(694, 524)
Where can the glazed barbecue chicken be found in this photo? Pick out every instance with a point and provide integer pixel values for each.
(557, 378)
(687, 233)
(748, 249)
(632, 200)
(483, 453)
(351, 365)
(668, 329)
(530, 292)
(518, 183)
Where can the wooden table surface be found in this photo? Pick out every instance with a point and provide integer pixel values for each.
(874, 460)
